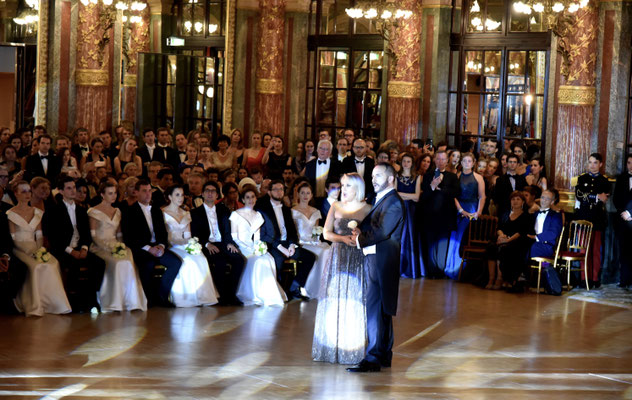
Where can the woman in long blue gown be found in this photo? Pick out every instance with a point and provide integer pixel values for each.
(470, 205)
(409, 189)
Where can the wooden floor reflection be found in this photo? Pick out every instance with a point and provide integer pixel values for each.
(452, 341)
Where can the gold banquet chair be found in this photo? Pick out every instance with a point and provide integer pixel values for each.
(552, 261)
(578, 247)
(481, 233)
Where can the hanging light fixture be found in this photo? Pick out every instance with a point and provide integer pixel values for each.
(378, 10)
(477, 22)
(548, 9)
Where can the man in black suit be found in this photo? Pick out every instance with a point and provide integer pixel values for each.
(379, 237)
(165, 153)
(438, 214)
(333, 195)
(166, 178)
(12, 270)
(507, 184)
(279, 233)
(361, 164)
(210, 224)
(147, 152)
(622, 200)
(548, 227)
(145, 234)
(81, 147)
(320, 169)
(44, 163)
(68, 232)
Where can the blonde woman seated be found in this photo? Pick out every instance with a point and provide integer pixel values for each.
(194, 285)
(121, 288)
(307, 218)
(43, 290)
(258, 284)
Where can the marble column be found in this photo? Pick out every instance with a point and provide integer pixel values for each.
(404, 86)
(42, 63)
(576, 96)
(137, 37)
(92, 75)
(269, 67)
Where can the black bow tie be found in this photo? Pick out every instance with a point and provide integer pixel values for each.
(359, 161)
(543, 211)
(84, 148)
(43, 157)
(182, 152)
(322, 162)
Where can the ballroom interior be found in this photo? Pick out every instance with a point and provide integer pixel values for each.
(552, 73)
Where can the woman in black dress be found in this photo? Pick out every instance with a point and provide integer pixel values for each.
(507, 256)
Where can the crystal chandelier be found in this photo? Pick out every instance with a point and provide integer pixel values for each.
(126, 7)
(548, 9)
(379, 10)
(477, 22)
(30, 16)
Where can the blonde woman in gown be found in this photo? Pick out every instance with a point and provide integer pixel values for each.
(340, 326)
(194, 285)
(306, 218)
(121, 288)
(43, 290)
(258, 284)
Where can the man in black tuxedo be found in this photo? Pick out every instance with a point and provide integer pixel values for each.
(211, 225)
(506, 184)
(12, 270)
(622, 200)
(438, 214)
(164, 152)
(81, 147)
(145, 234)
(68, 232)
(147, 152)
(361, 164)
(379, 237)
(333, 195)
(166, 178)
(44, 163)
(279, 233)
(320, 169)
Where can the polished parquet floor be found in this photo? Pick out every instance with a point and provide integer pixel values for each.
(452, 341)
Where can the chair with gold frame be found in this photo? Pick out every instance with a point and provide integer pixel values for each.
(578, 247)
(542, 260)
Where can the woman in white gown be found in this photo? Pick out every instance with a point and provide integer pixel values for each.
(258, 284)
(306, 218)
(121, 288)
(193, 285)
(43, 289)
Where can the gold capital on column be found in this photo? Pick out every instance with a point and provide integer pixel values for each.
(577, 95)
(91, 77)
(129, 80)
(269, 86)
(404, 90)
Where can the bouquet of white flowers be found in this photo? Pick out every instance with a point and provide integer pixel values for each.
(352, 224)
(42, 255)
(316, 232)
(193, 246)
(261, 248)
(119, 250)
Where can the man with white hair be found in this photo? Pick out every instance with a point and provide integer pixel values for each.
(322, 168)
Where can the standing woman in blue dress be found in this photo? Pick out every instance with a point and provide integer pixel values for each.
(409, 189)
(469, 205)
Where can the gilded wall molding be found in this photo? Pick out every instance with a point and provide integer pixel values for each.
(577, 95)
(91, 77)
(269, 86)
(404, 90)
(229, 66)
(129, 80)
(42, 63)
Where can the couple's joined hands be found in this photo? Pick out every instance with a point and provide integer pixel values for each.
(350, 240)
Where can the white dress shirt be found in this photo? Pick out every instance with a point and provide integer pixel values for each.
(277, 206)
(360, 165)
(341, 157)
(147, 212)
(322, 171)
(512, 180)
(215, 235)
(373, 249)
(539, 222)
(150, 150)
(72, 213)
(44, 161)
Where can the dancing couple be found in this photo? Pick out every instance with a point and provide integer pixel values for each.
(359, 286)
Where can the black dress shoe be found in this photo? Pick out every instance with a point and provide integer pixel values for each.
(365, 366)
(298, 295)
(385, 364)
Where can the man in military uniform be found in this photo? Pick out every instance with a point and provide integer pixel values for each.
(591, 194)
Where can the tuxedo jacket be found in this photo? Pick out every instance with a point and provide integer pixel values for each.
(172, 156)
(76, 151)
(136, 233)
(143, 153)
(335, 170)
(382, 227)
(34, 167)
(6, 243)
(59, 228)
(503, 190)
(349, 165)
(622, 197)
(200, 226)
(551, 229)
(437, 209)
(270, 231)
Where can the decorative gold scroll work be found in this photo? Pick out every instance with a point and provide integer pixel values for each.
(577, 95)
(229, 66)
(91, 77)
(404, 90)
(129, 80)
(269, 86)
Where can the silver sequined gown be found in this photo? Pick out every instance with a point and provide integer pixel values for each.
(340, 328)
